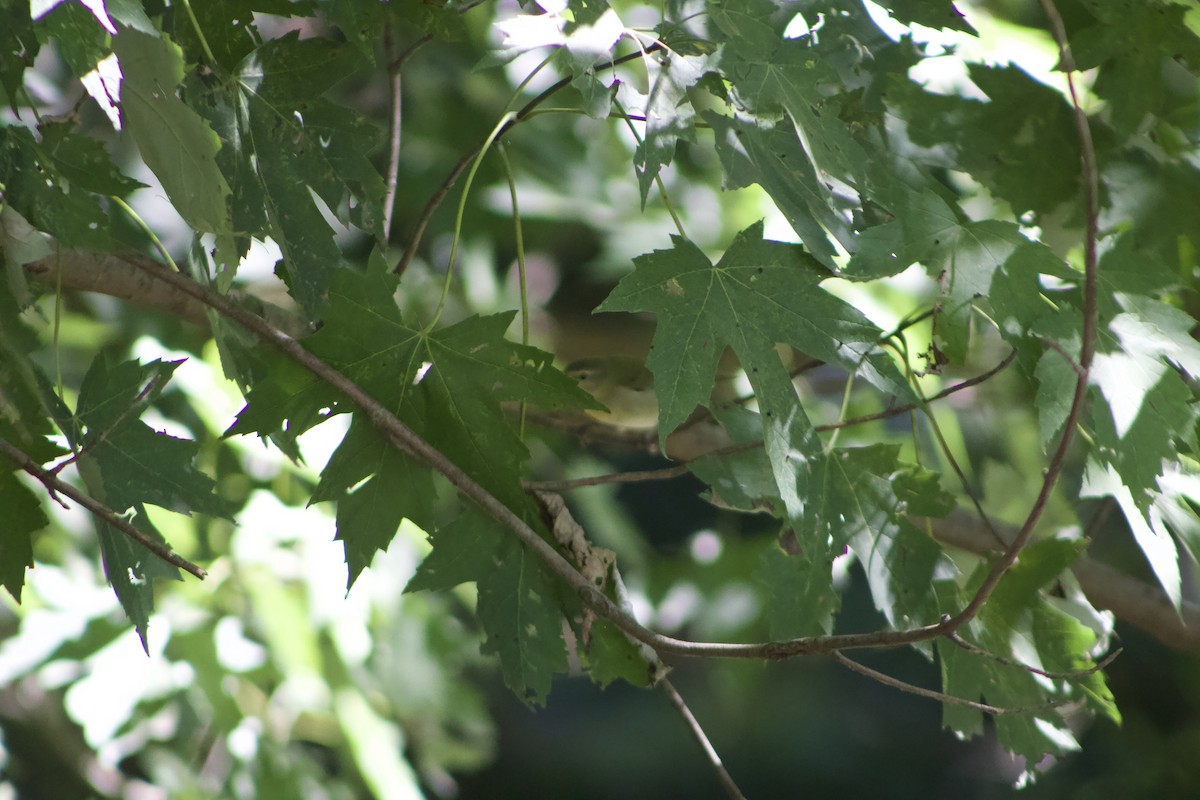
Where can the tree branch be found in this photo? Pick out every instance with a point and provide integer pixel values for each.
(139, 279)
(1090, 180)
(693, 726)
(904, 686)
(1131, 600)
(129, 276)
(57, 487)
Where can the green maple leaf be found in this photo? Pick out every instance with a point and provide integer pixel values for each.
(448, 385)
(759, 294)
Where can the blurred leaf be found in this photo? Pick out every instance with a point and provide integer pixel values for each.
(799, 586)
(936, 14)
(23, 517)
(80, 37)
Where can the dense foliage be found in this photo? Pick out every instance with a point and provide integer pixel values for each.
(915, 283)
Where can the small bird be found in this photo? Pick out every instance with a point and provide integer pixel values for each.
(621, 383)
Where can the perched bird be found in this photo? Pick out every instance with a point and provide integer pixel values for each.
(623, 385)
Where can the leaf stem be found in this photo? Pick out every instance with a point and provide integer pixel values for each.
(208, 53)
(141, 223)
(455, 171)
(458, 218)
(519, 239)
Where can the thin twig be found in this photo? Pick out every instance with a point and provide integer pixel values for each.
(668, 473)
(904, 686)
(448, 183)
(638, 476)
(397, 64)
(1058, 348)
(56, 487)
(714, 760)
(1090, 179)
(393, 163)
(1073, 675)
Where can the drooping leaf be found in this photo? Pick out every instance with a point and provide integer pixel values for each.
(376, 487)
(668, 113)
(175, 142)
(771, 156)
(131, 569)
(522, 622)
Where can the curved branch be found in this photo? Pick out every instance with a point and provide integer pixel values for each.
(137, 278)
(1090, 179)
(404, 438)
(1132, 601)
